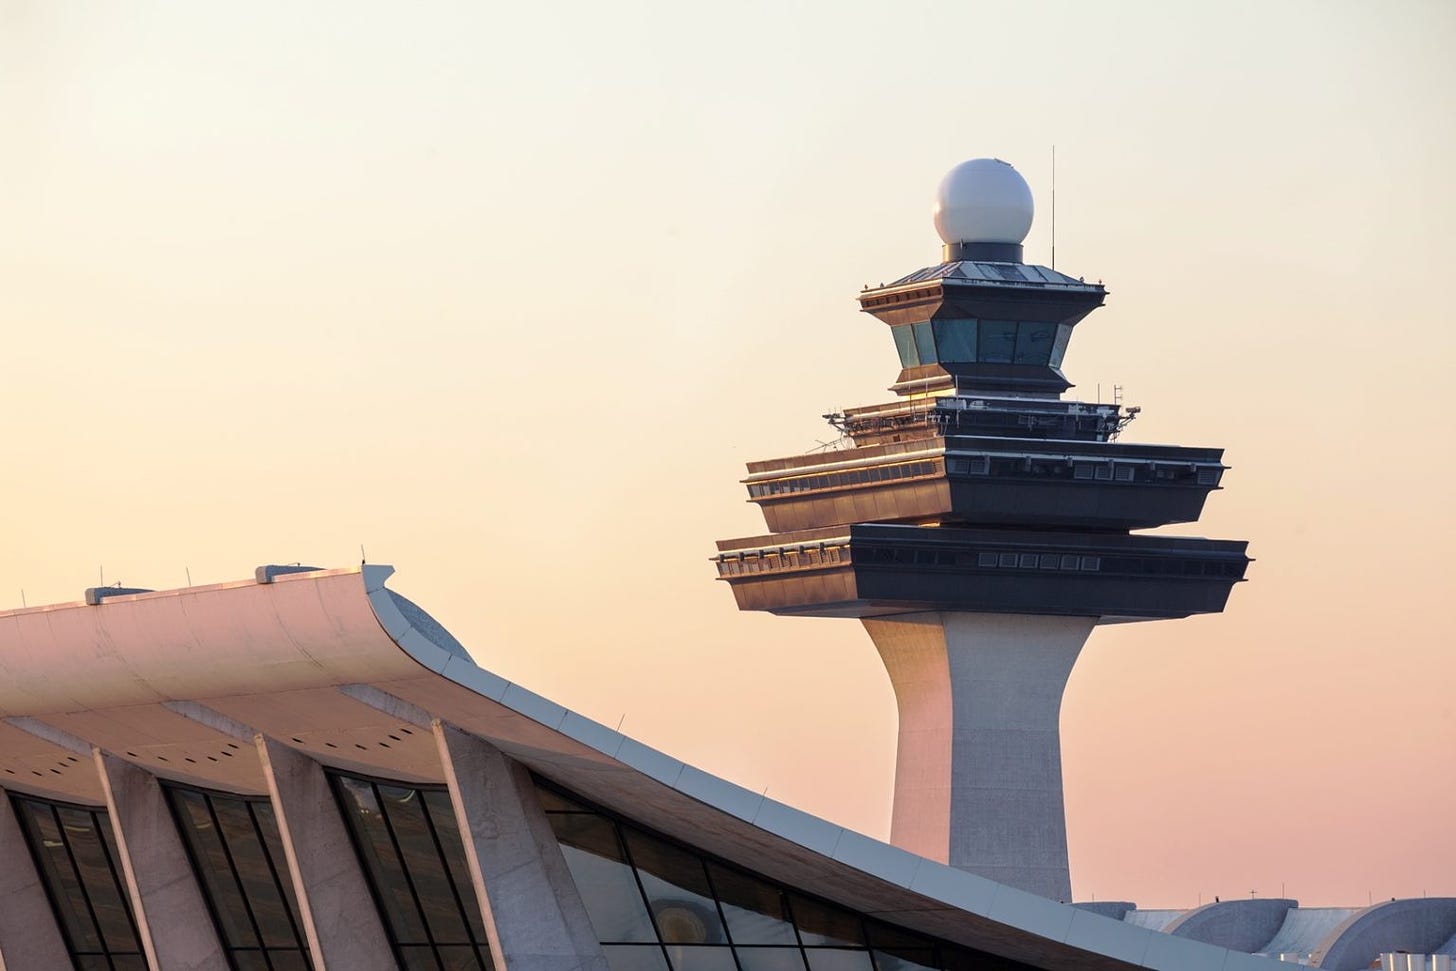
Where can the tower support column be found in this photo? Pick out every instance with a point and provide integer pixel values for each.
(978, 770)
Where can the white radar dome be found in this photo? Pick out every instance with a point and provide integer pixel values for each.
(984, 200)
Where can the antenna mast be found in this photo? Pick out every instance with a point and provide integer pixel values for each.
(1054, 207)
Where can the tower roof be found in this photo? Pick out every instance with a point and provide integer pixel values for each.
(1017, 274)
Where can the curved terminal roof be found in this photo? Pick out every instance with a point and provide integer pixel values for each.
(333, 664)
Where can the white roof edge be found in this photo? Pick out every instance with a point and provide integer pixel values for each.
(965, 891)
(199, 588)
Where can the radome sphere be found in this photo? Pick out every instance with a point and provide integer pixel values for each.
(984, 200)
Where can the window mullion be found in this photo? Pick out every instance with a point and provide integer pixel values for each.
(81, 882)
(722, 915)
(409, 879)
(36, 847)
(227, 853)
(119, 881)
(641, 889)
(448, 873)
(298, 936)
(794, 923)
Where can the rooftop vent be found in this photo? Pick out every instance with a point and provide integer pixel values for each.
(266, 573)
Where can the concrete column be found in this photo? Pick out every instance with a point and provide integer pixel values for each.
(534, 917)
(978, 770)
(339, 917)
(176, 929)
(29, 935)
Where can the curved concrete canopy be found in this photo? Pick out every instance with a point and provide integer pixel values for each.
(1419, 926)
(1304, 928)
(1242, 925)
(1116, 909)
(336, 665)
(1151, 919)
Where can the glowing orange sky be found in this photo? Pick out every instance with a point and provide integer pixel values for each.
(510, 295)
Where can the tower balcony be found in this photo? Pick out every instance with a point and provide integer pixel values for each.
(988, 481)
(877, 570)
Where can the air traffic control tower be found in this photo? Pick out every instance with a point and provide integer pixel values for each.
(980, 526)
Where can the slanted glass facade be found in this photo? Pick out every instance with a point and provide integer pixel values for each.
(410, 845)
(76, 857)
(968, 340)
(659, 906)
(235, 848)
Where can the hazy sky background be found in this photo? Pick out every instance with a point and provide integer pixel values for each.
(509, 293)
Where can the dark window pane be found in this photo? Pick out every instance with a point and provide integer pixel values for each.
(755, 910)
(442, 815)
(273, 843)
(108, 840)
(689, 957)
(56, 870)
(422, 861)
(93, 963)
(250, 961)
(366, 818)
(1034, 343)
(635, 958)
(905, 959)
(821, 923)
(770, 958)
(128, 962)
(905, 345)
(264, 896)
(955, 340)
(836, 959)
(288, 960)
(889, 936)
(419, 958)
(964, 959)
(416, 864)
(460, 959)
(606, 884)
(209, 858)
(227, 840)
(677, 891)
(82, 834)
(997, 341)
(924, 342)
(598, 849)
(554, 802)
(1059, 346)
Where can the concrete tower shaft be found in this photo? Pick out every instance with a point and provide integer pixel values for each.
(978, 768)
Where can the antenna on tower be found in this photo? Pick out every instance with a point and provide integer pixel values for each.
(1054, 207)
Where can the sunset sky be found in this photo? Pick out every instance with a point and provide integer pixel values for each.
(508, 294)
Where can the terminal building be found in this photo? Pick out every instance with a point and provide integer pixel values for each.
(303, 769)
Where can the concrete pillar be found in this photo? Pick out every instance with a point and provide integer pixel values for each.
(534, 917)
(339, 917)
(29, 935)
(978, 770)
(176, 929)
